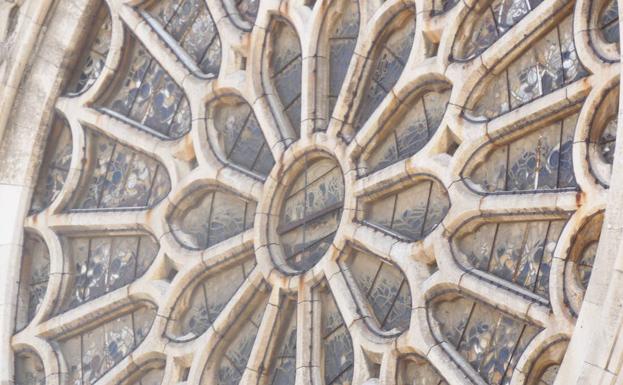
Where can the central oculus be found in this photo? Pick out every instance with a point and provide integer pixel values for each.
(311, 211)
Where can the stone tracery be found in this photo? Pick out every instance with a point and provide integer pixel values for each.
(211, 211)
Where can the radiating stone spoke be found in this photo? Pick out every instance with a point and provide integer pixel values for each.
(95, 220)
(564, 201)
(123, 131)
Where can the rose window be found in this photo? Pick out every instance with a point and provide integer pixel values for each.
(320, 192)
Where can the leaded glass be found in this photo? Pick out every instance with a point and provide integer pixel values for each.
(207, 217)
(490, 341)
(311, 212)
(520, 252)
(117, 176)
(190, 23)
(248, 9)
(199, 307)
(282, 363)
(607, 140)
(104, 264)
(540, 160)
(408, 130)
(603, 134)
(29, 369)
(609, 21)
(284, 67)
(342, 22)
(145, 96)
(547, 65)
(235, 347)
(384, 287)
(337, 347)
(390, 54)
(580, 261)
(410, 213)
(487, 23)
(93, 60)
(90, 354)
(240, 136)
(55, 166)
(34, 277)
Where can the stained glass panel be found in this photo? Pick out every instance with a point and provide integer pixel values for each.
(199, 307)
(29, 369)
(388, 58)
(342, 36)
(285, 65)
(283, 362)
(549, 64)
(93, 59)
(412, 212)
(205, 218)
(90, 354)
(190, 23)
(33, 281)
(385, 288)
(311, 212)
(240, 136)
(409, 129)
(580, 261)
(248, 9)
(337, 345)
(608, 22)
(491, 341)
(518, 252)
(54, 167)
(487, 23)
(238, 343)
(117, 176)
(103, 264)
(541, 160)
(415, 370)
(147, 97)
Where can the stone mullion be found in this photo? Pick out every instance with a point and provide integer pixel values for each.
(372, 183)
(530, 202)
(89, 313)
(241, 183)
(386, 246)
(345, 105)
(487, 288)
(307, 326)
(374, 126)
(268, 123)
(209, 345)
(222, 252)
(364, 334)
(94, 220)
(124, 133)
(559, 103)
